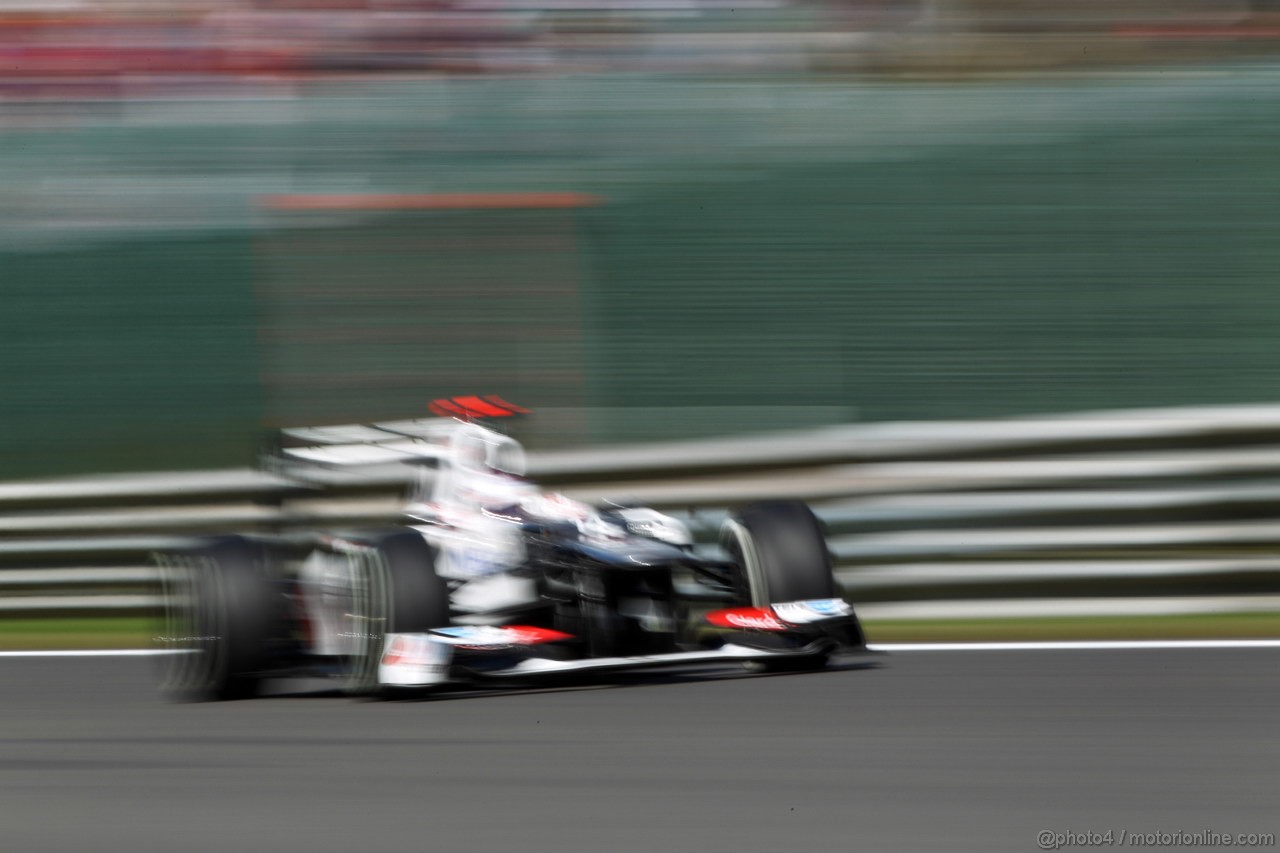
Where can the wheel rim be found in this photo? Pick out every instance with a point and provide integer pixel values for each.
(368, 621)
(737, 540)
(190, 625)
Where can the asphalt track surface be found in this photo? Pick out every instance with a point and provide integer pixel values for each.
(947, 751)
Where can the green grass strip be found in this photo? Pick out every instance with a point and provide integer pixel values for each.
(99, 632)
(135, 632)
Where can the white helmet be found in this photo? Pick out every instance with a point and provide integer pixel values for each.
(474, 448)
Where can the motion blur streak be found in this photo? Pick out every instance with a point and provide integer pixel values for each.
(1082, 645)
(950, 751)
(652, 220)
(644, 219)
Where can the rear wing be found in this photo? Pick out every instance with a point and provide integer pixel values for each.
(404, 442)
(422, 441)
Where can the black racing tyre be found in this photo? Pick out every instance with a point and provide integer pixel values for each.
(602, 626)
(783, 553)
(396, 591)
(221, 609)
(588, 617)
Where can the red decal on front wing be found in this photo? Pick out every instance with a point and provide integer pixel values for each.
(396, 652)
(480, 637)
(755, 618)
(526, 635)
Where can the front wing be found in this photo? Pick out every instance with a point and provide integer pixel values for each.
(794, 630)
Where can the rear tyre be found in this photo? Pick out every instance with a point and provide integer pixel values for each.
(221, 610)
(395, 591)
(782, 552)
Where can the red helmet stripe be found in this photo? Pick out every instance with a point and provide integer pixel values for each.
(478, 407)
(448, 408)
(490, 406)
(512, 408)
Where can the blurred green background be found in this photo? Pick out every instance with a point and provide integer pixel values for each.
(762, 253)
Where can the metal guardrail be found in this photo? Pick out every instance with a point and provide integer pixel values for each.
(1171, 502)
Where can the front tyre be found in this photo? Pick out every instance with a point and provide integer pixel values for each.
(782, 554)
(395, 590)
(782, 551)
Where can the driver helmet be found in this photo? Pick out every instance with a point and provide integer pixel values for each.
(474, 448)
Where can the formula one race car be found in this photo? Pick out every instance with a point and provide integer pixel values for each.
(491, 579)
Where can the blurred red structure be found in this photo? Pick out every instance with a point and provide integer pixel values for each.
(118, 47)
(40, 46)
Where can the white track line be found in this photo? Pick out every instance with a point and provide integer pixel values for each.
(1074, 645)
(1031, 646)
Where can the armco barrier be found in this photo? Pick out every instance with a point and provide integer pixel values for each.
(1147, 503)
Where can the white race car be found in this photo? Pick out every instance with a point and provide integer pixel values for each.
(490, 578)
